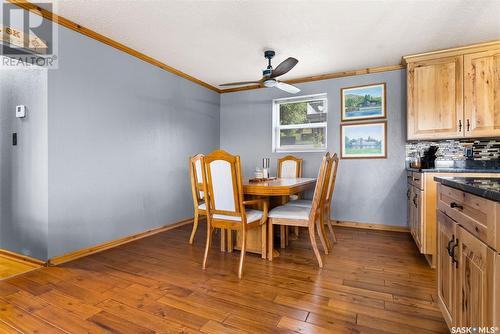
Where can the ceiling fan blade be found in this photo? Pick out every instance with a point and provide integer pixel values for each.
(240, 83)
(287, 88)
(285, 66)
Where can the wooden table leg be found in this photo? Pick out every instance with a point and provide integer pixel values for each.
(264, 241)
(222, 240)
(230, 244)
(283, 236)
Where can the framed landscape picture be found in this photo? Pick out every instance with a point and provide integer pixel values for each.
(363, 102)
(363, 140)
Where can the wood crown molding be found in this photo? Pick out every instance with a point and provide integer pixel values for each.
(25, 4)
(114, 243)
(106, 40)
(471, 48)
(334, 75)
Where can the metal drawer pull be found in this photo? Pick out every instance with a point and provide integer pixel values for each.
(454, 205)
(453, 261)
(448, 248)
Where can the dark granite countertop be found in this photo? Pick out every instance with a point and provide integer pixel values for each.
(487, 187)
(455, 170)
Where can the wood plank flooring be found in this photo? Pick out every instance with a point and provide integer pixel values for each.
(372, 282)
(10, 267)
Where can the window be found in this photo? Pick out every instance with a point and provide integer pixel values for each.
(299, 124)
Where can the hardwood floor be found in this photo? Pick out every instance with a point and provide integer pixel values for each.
(10, 267)
(372, 282)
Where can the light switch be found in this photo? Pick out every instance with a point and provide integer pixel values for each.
(20, 111)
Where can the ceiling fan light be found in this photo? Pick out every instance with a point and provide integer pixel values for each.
(270, 83)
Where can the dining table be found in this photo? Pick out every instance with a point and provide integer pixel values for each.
(277, 191)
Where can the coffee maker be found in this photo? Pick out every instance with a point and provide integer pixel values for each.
(429, 157)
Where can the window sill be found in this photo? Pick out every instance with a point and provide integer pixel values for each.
(301, 151)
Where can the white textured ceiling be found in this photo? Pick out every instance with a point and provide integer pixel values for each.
(222, 40)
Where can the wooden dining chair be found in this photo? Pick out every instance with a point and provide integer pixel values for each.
(292, 215)
(226, 207)
(195, 165)
(326, 201)
(195, 173)
(289, 167)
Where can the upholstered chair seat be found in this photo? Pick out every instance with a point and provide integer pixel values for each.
(290, 212)
(307, 203)
(252, 215)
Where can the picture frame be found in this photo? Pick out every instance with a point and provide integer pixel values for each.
(354, 105)
(366, 140)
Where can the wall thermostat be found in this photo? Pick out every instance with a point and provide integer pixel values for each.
(20, 111)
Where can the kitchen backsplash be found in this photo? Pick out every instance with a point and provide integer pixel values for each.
(484, 149)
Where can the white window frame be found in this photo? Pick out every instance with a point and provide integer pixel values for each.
(277, 127)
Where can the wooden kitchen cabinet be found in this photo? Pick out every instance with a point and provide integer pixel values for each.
(415, 199)
(482, 94)
(446, 239)
(454, 93)
(422, 217)
(475, 281)
(435, 101)
(468, 259)
(417, 229)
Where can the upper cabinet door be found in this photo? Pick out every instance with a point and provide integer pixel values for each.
(482, 94)
(435, 98)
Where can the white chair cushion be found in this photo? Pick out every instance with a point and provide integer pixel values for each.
(307, 203)
(222, 184)
(202, 206)
(290, 212)
(252, 215)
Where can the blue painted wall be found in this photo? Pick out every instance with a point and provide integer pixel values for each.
(368, 190)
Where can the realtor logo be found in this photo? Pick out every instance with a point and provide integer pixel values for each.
(26, 37)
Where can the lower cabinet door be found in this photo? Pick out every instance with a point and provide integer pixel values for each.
(410, 210)
(446, 239)
(418, 218)
(476, 281)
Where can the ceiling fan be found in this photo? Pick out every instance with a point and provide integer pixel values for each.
(269, 75)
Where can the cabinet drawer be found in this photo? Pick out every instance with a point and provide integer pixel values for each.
(476, 214)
